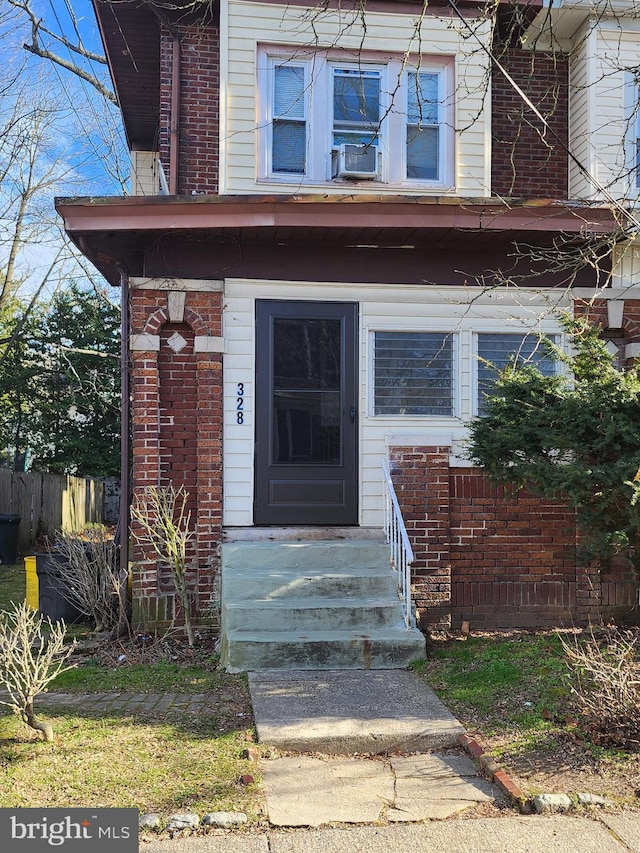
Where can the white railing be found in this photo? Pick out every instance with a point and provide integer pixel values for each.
(401, 554)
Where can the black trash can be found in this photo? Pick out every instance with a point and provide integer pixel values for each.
(51, 600)
(9, 538)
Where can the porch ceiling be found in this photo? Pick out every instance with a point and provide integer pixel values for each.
(123, 229)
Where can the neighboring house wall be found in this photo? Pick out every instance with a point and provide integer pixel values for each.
(528, 159)
(340, 33)
(603, 109)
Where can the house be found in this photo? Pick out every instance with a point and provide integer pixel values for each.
(338, 213)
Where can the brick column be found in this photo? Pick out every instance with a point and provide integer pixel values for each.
(177, 439)
(421, 479)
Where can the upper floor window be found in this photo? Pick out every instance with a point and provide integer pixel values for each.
(323, 119)
(289, 129)
(423, 125)
(497, 349)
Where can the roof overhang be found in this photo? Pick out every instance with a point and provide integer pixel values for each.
(559, 24)
(113, 229)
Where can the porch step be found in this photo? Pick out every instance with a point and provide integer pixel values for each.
(312, 605)
(311, 613)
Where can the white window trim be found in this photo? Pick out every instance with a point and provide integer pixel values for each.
(319, 114)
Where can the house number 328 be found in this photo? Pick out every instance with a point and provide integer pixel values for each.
(240, 403)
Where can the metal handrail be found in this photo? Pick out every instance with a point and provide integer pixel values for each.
(401, 553)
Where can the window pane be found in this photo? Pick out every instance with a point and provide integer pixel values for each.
(356, 98)
(422, 153)
(307, 354)
(413, 373)
(289, 91)
(495, 351)
(289, 146)
(422, 106)
(306, 427)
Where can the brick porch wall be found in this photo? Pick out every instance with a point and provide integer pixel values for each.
(177, 438)
(495, 557)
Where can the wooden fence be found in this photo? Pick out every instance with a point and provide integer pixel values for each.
(49, 502)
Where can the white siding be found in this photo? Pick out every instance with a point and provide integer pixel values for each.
(252, 23)
(602, 132)
(463, 312)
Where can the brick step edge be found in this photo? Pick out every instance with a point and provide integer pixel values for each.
(496, 774)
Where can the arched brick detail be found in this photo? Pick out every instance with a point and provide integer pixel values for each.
(196, 322)
(156, 321)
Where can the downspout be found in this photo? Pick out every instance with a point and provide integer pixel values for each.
(174, 149)
(125, 479)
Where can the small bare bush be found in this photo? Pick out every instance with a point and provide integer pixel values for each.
(30, 659)
(91, 574)
(165, 527)
(606, 691)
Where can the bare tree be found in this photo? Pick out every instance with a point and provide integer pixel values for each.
(30, 659)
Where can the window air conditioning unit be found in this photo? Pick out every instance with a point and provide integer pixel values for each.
(358, 161)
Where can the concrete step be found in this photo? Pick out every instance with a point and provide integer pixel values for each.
(312, 613)
(340, 581)
(317, 555)
(313, 604)
(289, 650)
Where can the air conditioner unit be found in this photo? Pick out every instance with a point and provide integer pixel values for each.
(358, 161)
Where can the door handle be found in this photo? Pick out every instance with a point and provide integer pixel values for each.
(352, 414)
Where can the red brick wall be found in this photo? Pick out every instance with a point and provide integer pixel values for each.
(524, 165)
(199, 125)
(495, 557)
(177, 438)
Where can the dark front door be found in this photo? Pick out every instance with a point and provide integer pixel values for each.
(306, 453)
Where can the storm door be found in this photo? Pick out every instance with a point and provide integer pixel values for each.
(306, 448)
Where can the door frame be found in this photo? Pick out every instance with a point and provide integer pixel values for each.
(267, 510)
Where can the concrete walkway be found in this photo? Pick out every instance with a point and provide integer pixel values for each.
(347, 711)
(496, 835)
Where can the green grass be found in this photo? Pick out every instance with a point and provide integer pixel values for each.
(159, 677)
(509, 681)
(12, 585)
(156, 765)
(513, 693)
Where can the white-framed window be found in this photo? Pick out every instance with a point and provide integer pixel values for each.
(289, 119)
(413, 373)
(495, 350)
(318, 110)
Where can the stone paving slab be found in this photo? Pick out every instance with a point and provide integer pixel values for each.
(345, 712)
(434, 787)
(304, 791)
(626, 827)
